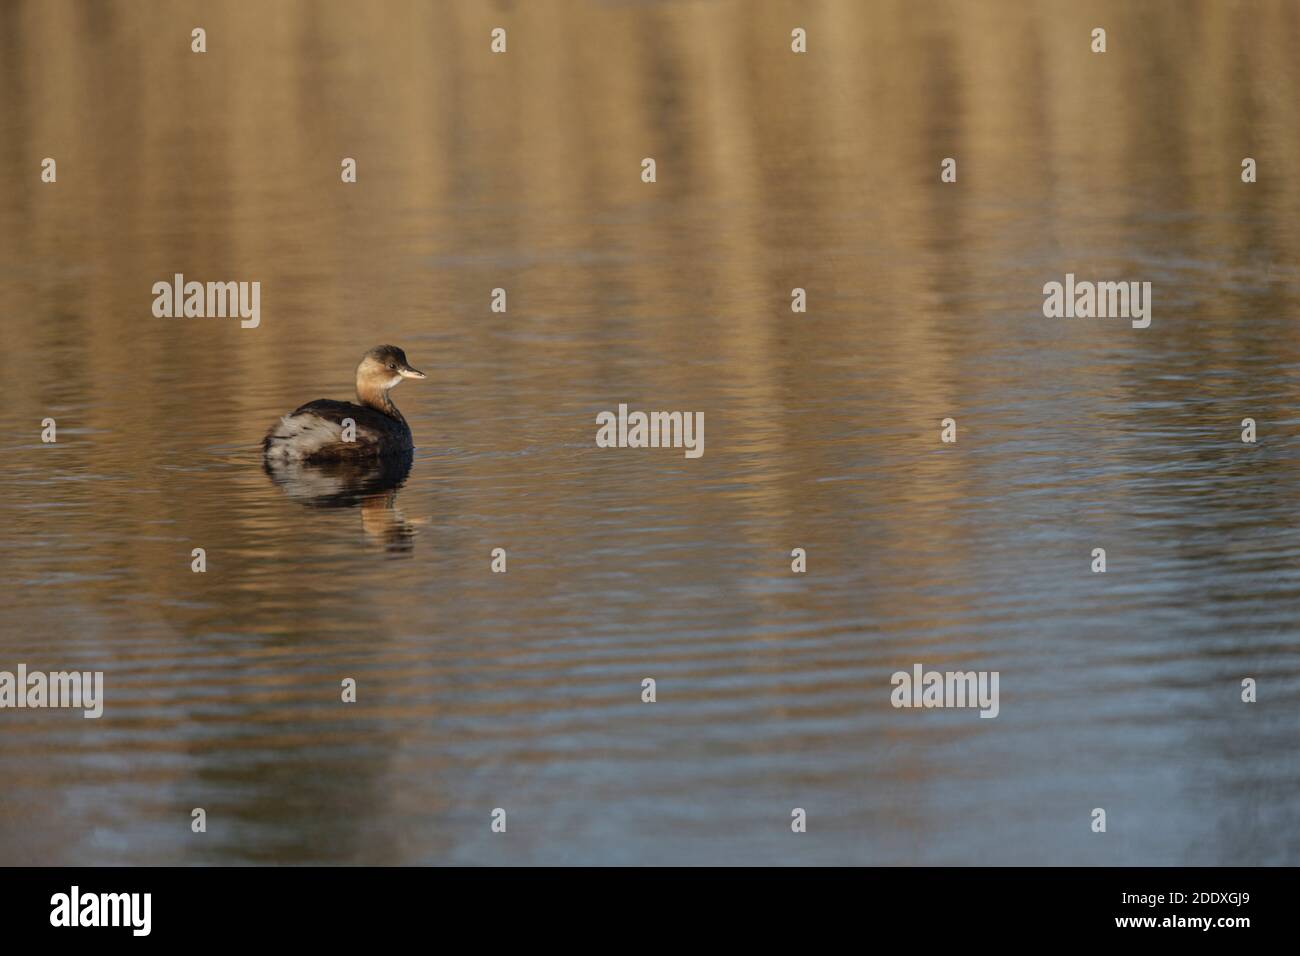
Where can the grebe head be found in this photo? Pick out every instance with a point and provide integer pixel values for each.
(383, 368)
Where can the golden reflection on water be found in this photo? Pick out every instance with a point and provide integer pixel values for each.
(775, 171)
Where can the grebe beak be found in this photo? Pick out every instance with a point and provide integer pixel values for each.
(407, 372)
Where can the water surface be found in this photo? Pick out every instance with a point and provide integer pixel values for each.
(523, 690)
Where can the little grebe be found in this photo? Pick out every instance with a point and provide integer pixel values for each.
(315, 432)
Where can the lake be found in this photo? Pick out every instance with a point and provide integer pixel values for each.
(774, 171)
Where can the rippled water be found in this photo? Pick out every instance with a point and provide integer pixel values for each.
(522, 690)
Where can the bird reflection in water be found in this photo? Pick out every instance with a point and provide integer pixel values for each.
(370, 485)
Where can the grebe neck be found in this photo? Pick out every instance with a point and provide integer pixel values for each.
(377, 398)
